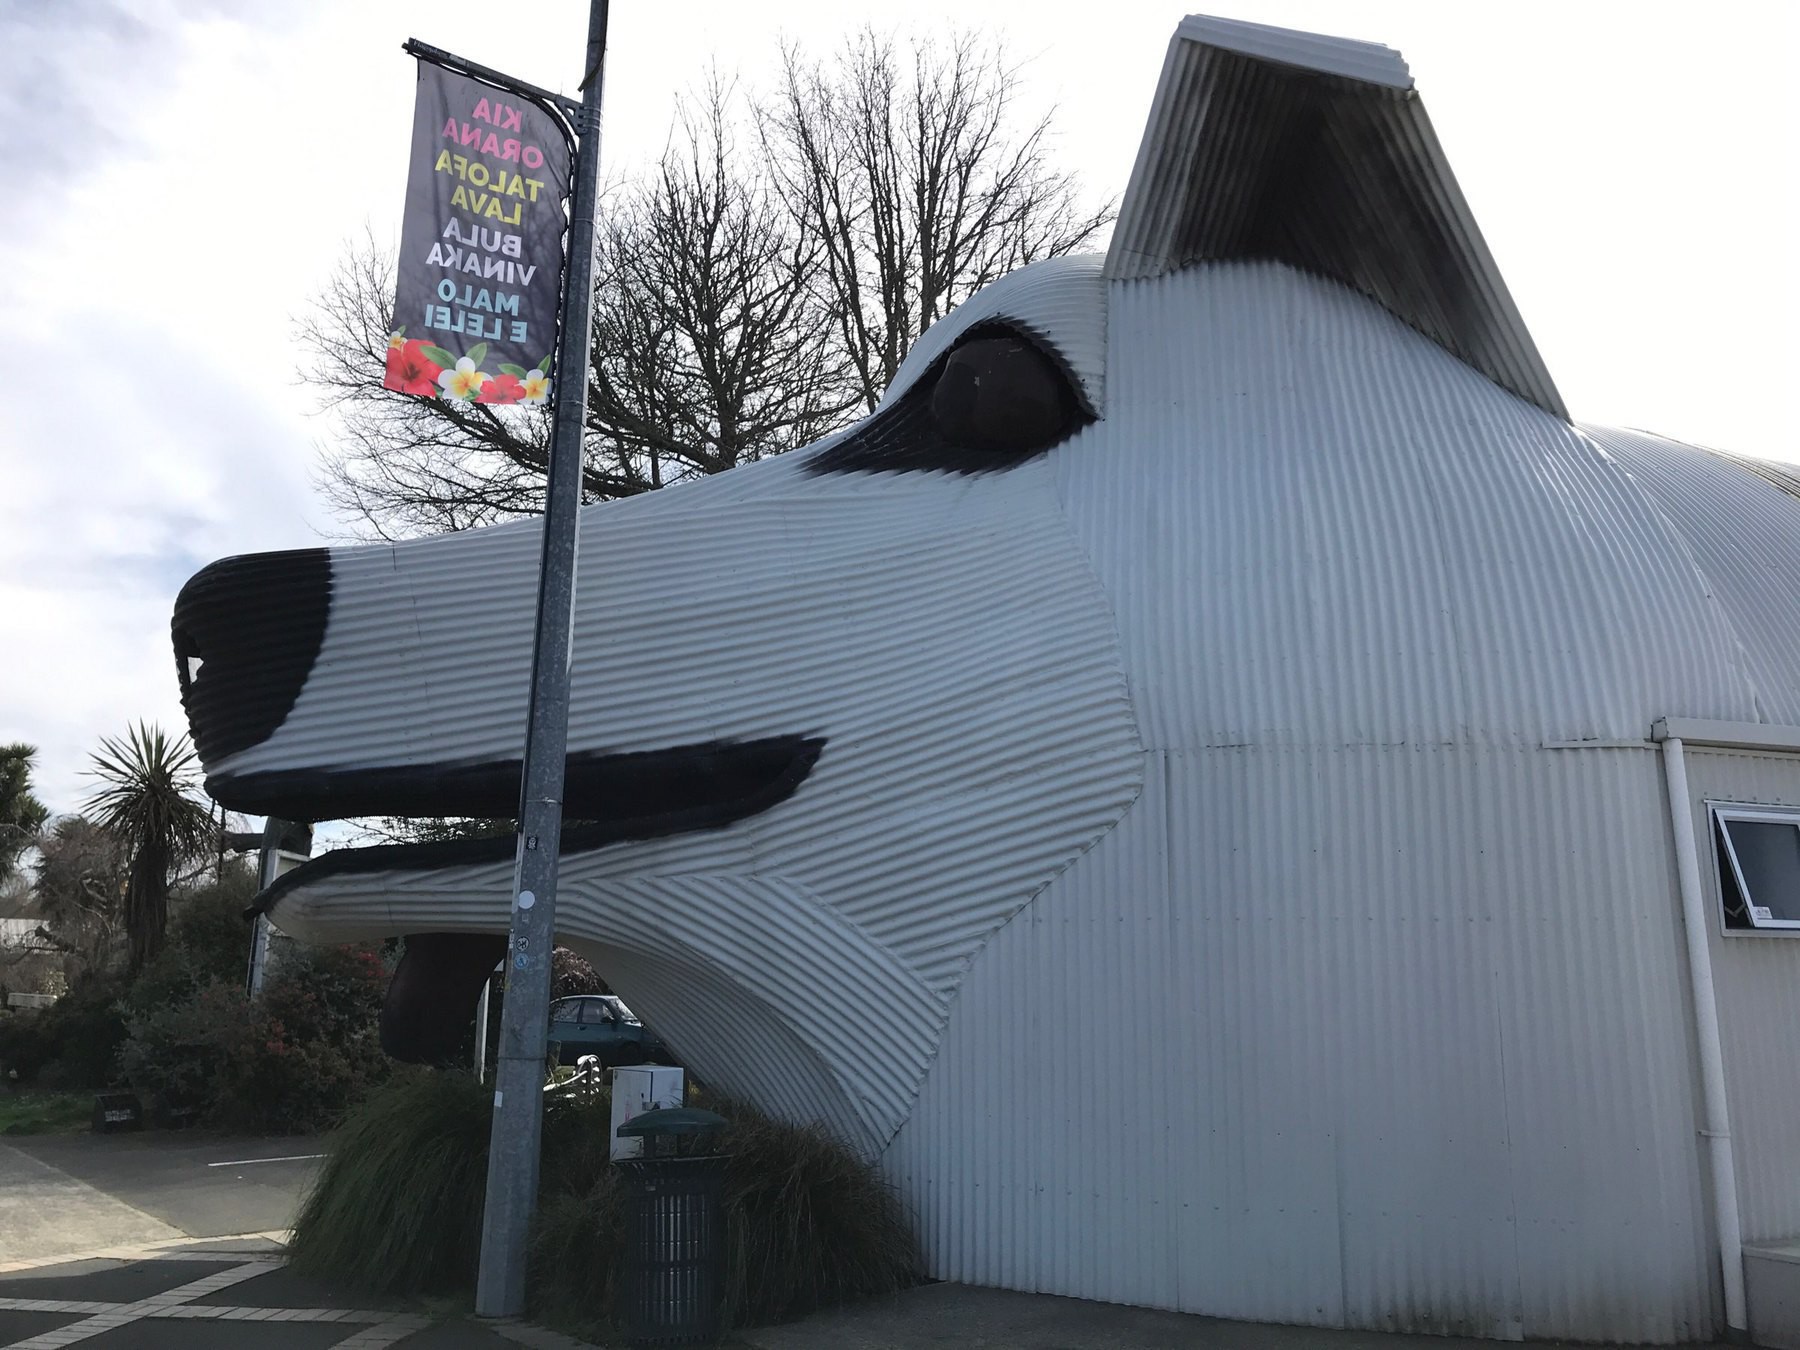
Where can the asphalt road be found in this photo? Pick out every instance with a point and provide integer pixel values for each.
(80, 1192)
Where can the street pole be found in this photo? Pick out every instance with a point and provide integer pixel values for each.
(512, 1178)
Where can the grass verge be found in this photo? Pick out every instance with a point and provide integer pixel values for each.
(40, 1111)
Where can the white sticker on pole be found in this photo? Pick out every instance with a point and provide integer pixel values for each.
(526, 899)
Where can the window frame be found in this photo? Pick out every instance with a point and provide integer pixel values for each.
(1719, 816)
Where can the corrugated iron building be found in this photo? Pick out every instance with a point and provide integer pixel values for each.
(1374, 1011)
(1241, 874)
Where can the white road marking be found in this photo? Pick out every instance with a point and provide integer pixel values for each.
(245, 1162)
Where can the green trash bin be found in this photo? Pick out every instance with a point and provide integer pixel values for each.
(672, 1284)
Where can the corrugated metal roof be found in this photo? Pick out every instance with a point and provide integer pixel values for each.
(1268, 144)
(1738, 520)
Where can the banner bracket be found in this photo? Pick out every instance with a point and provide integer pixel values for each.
(565, 111)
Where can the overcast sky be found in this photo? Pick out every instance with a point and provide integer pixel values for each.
(180, 175)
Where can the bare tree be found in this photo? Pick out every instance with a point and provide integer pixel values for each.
(711, 347)
(709, 350)
(755, 290)
(904, 164)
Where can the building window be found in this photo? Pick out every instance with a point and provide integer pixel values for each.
(1759, 866)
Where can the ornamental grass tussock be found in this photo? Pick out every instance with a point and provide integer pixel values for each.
(397, 1208)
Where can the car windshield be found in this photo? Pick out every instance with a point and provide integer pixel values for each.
(618, 1006)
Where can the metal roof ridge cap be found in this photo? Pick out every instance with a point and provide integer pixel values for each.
(1352, 58)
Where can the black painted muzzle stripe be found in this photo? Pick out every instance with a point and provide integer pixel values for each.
(614, 799)
(255, 624)
(651, 784)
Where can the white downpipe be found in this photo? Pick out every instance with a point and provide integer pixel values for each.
(1717, 1131)
(481, 1030)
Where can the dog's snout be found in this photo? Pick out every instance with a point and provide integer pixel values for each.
(246, 632)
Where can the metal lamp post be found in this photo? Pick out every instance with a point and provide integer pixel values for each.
(512, 1178)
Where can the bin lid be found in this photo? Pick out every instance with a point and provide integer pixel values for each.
(674, 1120)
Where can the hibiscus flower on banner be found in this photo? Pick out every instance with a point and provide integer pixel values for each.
(478, 282)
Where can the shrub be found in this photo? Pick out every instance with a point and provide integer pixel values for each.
(211, 927)
(177, 1051)
(316, 1048)
(208, 939)
(808, 1225)
(24, 1047)
(397, 1208)
(571, 974)
(76, 1042)
(73, 1043)
(293, 1060)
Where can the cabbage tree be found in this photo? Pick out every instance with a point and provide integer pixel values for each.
(147, 799)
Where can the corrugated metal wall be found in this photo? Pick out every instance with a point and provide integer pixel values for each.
(944, 635)
(1380, 1037)
(1375, 1011)
(1372, 543)
(1370, 1010)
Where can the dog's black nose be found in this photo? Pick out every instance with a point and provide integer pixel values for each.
(246, 633)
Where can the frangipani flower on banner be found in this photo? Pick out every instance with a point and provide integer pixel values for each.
(464, 378)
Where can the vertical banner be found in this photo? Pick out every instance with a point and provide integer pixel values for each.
(481, 246)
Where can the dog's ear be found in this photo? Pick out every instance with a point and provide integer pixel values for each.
(1265, 143)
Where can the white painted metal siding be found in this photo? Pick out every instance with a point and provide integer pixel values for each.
(1376, 545)
(1374, 1036)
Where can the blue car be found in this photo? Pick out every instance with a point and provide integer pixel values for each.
(600, 1024)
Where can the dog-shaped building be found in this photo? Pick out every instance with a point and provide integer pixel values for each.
(1176, 784)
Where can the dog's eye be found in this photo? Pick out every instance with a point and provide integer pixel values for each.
(1001, 394)
(993, 401)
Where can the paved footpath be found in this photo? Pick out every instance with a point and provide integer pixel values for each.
(161, 1241)
(170, 1275)
(204, 1296)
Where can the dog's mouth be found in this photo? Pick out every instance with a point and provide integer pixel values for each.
(610, 798)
